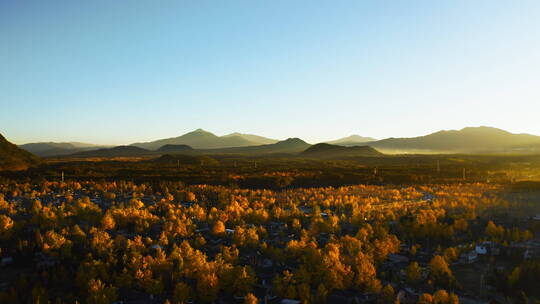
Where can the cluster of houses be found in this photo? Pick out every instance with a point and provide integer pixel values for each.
(481, 249)
(526, 250)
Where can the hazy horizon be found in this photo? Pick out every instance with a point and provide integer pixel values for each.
(111, 73)
(279, 139)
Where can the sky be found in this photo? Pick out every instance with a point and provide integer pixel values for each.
(118, 72)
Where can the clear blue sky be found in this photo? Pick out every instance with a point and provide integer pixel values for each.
(117, 72)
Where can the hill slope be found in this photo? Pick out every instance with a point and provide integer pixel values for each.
(120, 151)
(198, 139)
(328, 151)
(175, 149)
(14, 158)
(467, 140)
(255, 139)
(290, 145)
(45, 149)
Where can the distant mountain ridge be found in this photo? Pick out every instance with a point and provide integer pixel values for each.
(175, 149)
(201, 139)
(352, 140)
(15, 158)
(260, 140)
(290, 145)
(45, 149)
(119, 151)
(466, 140)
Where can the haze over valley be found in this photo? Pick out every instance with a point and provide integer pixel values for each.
(470, 140)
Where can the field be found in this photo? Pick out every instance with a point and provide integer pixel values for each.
(278, 171)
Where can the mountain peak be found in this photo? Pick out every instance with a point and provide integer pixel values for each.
(484, 129)
(200, 130)
(198, 133)
(352, 140)
(292, 141)
(197, 139)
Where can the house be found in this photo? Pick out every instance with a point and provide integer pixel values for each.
(216, 242)
(407, 295)
(204, 229)
(531, 253)
(397, 258)
(428, 197)
(44, 261)
(306, 209)
(532, 250)
(289, 301)
(267, 263)
(487, 248)
(481, 249)
(6, 261)
(404, 247)
(469, 257)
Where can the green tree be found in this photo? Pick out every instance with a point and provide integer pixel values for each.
(414, 273)
(439, 271)
(98, 293)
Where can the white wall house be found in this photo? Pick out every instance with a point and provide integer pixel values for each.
(481, 249)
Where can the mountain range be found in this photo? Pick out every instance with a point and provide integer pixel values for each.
(46, 149)
(353, 140)
(288, 146)
(119, 151)
(467, 140)
(253, 138)
(201, 139)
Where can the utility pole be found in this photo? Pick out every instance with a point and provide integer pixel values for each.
(481, 284)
